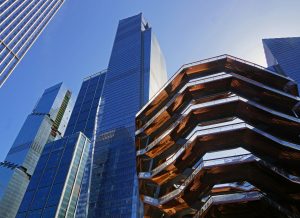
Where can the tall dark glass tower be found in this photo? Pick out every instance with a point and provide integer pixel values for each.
(84, 113)
(83, 119)
(54, 188)
(284, 55)
(21, 22)
(135, 73)
(46, 123)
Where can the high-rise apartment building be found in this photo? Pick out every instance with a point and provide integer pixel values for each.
(221, 139)
(46, 123)
(54, 188)
(135, 73)
(284, 55)
(21, 22)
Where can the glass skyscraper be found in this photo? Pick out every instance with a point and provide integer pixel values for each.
(21, 22)
(135, 73)
(46, 123)
(83, 119)
(57, 189)
(284, 55)
(84, 112)
(54, 188)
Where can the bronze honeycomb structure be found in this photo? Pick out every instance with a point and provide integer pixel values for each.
(220, 104)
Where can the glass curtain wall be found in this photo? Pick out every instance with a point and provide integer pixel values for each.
(21, 22)
(113, 189)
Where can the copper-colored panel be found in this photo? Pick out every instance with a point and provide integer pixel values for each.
(226, 103)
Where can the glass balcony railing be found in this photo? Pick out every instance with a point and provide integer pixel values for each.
(192, 107)
(198, 167)
(220, 57)
(229, 198)
(195, 133)
(213, 162)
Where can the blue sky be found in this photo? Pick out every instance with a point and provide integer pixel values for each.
(79, 39)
